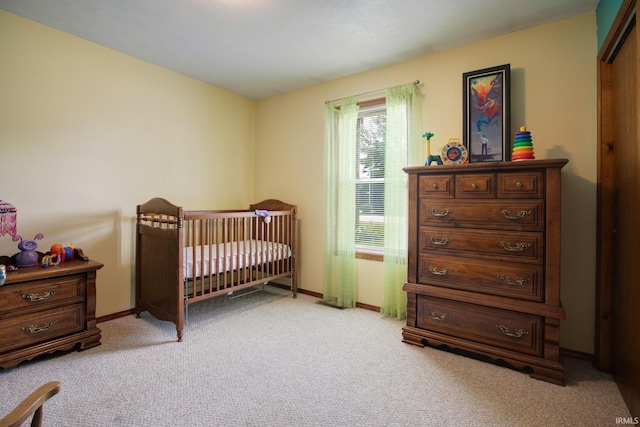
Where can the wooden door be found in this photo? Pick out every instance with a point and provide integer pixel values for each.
(618, 316)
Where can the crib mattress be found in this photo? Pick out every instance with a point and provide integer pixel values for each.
(231, 256)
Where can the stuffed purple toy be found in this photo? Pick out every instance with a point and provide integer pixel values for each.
(264, 214)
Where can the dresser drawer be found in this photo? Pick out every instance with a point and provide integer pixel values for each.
(501, 328)
(41, 293)
(475, 186)
(498, 245)
(436, 186)
(28, 329)
(522, 281)
(526, 215)
(521, 185)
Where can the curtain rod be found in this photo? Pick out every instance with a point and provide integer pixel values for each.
(417, 82)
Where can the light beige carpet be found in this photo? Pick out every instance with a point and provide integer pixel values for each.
(270, 360)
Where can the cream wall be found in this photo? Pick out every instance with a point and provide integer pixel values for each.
(553, 89)
(87, 133)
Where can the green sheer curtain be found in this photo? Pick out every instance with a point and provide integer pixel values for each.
(402, 149)
(339, 203)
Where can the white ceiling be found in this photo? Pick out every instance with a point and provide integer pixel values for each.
(260, 48)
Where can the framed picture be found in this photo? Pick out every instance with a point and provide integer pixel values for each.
(486, 114)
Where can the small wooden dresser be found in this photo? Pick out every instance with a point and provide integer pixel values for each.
(43, 310)
(484, 262)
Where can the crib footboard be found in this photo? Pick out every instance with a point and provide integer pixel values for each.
(158, 257)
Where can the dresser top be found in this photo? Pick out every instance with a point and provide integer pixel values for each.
(489, 166)
(38, 272)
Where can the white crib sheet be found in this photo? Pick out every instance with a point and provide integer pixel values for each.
(233, 256)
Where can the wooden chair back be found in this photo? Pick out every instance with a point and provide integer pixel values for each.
(32, 405)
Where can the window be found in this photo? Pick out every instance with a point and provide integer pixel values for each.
(370, 149)
(366, 146)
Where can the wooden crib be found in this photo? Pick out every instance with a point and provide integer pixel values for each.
(183, 256)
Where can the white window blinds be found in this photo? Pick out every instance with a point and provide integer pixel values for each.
(370, 149)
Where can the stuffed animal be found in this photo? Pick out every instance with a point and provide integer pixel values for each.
(60, 254)
(28, 257)
(264, 214)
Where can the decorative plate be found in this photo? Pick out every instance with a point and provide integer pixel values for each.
(454, 153)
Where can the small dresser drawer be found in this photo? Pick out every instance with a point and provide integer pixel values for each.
(522, 281)
(436, 186)
(40, 293)
(514, 185)
(475, 186)
(526, 215)
(501, 328)
(22, 331)
(498, 245)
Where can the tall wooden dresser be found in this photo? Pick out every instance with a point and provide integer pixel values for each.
(484, 262)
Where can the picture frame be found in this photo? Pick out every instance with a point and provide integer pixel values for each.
(486, 113)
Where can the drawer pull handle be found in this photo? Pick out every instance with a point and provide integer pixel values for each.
(434, 316)
(445, 213)
(37, 329)
(516, 333)
(441, 272)
(474, 186)
(36, 297)
(520, 215)
(518, 184)
(435, 185)
(517, 248)
(440, 242)
(517, 282)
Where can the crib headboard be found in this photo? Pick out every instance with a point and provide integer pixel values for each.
(273, 205)
(282, 229)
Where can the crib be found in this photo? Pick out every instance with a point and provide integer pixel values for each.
(187, 256)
